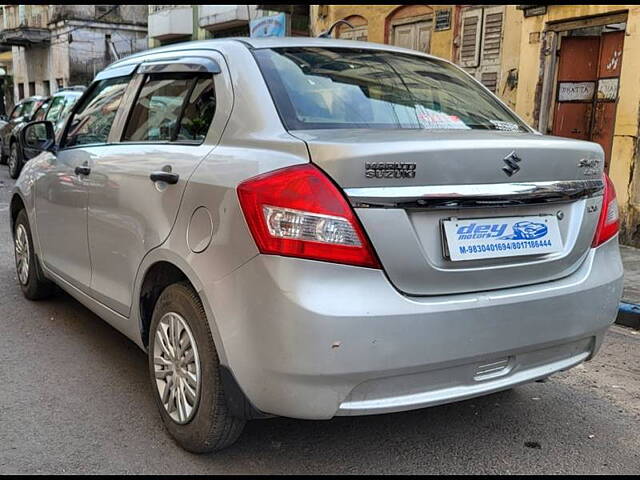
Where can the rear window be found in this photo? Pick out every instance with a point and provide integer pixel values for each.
(172, 107)
(319, 88)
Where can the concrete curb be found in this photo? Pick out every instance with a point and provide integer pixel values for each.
(629, 315)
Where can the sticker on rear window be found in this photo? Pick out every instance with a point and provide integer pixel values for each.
(506, 126)
(434, 120)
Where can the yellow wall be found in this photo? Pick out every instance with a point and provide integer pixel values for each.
(510, 55)
(441, 42)
(625, 142)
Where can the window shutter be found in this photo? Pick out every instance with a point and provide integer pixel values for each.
(492, 35)
(490, 80)
(470, 45)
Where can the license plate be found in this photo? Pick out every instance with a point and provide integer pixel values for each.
(477, 238)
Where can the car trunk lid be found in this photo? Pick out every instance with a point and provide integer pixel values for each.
(406, 185)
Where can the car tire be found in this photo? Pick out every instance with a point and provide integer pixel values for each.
(32, 282)
(187, 386)
(15, 162)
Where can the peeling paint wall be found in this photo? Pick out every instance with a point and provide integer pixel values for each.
(625, 151)
(510, 60)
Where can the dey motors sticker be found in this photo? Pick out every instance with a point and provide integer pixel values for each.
(525, 230)
(502, 237)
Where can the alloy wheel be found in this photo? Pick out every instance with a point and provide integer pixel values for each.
(22, 254)
(177, 367)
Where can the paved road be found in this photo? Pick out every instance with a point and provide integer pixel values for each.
(74, 398)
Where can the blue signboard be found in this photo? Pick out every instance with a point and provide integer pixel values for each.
(273, 26)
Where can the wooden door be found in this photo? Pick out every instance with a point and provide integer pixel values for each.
(423, 33)
(577, 73)
(588, 83)
(606, 98)
(403, 35)
(416, 35)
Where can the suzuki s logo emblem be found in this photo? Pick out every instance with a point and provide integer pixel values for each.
(512, 164)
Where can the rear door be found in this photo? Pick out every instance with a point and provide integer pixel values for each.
(137, 184)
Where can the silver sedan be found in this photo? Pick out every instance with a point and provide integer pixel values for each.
(313, 228)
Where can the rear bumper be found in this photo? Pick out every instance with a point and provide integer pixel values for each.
(314, 340)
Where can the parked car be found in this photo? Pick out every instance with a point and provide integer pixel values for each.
(53, 109)
(313, 229)
(20, 115)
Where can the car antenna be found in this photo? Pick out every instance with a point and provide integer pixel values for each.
(327, 33)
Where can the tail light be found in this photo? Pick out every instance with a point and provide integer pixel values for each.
(298, 212)
(609, 222)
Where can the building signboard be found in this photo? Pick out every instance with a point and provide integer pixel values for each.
(272, 26)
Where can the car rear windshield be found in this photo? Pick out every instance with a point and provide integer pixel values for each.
(320, 88)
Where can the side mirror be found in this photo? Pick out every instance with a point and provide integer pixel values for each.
(37, 137)
(4, 118)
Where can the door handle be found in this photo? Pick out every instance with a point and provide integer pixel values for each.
(82, 170)
(167, 177)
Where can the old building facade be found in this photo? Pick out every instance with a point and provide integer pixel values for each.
(55, 46)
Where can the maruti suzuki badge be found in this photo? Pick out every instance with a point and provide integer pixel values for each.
(477, 238)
